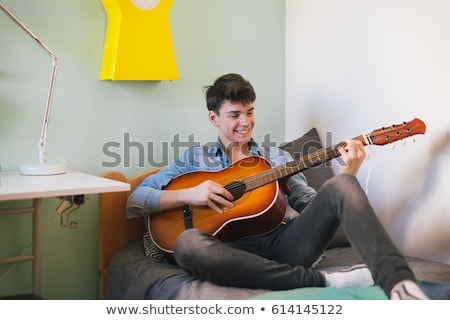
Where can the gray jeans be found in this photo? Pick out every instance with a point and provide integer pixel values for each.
(282, 258)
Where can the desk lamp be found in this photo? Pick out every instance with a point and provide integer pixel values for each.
(42, 168)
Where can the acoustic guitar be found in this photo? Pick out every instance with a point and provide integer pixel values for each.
(258, 191)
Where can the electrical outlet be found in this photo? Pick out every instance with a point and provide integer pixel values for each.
(78, 199)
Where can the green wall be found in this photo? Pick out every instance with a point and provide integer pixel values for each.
(210, 37)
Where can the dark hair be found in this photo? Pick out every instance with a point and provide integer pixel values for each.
(232, 87)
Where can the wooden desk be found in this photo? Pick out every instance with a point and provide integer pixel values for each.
(14, 186)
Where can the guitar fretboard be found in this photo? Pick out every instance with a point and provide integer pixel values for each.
(290, 168)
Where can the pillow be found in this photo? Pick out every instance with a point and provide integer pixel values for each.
(310, 142)
(316, 176)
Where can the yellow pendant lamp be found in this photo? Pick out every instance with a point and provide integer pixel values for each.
(138, 42)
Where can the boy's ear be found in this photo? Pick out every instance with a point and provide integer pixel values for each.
(212, 116)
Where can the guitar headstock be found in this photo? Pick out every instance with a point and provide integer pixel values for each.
(396, 132)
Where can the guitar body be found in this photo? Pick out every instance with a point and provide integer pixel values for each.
(256, 212)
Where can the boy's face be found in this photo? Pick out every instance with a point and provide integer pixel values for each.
(234, 121)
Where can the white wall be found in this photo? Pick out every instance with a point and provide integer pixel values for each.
(353, 66)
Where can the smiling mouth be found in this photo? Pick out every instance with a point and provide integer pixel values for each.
(242, 131)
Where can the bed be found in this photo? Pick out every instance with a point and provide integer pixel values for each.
(126, 273)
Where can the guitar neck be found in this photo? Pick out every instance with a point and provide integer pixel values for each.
(304, 162)
(380, 137)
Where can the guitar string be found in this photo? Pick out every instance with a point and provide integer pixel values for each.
(301, 163)
(306, 161)
(254, 182)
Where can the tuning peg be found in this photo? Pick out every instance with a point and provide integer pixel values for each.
(404, 142)
(393, 146)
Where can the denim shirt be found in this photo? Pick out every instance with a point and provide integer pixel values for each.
(144, 200)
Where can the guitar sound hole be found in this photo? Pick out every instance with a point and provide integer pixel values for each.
(236, 188)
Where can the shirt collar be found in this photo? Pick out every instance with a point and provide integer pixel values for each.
(217, 148)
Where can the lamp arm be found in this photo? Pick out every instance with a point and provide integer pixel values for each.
(54, 58)
(43, 139)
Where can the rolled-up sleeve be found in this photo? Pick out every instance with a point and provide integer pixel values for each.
(145, 198)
